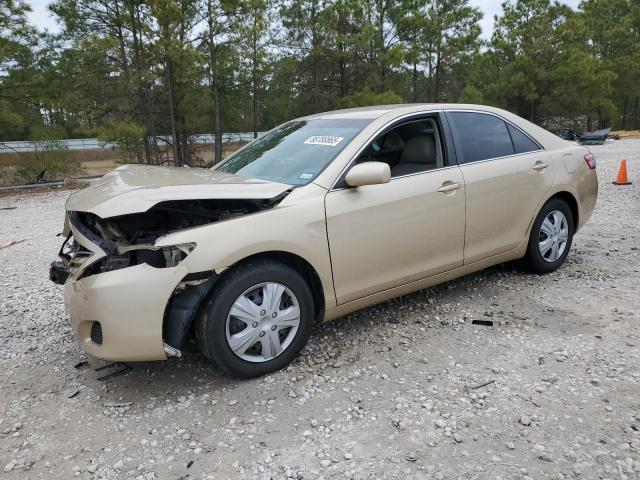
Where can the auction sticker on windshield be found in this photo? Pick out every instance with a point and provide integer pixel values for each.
(327, 140)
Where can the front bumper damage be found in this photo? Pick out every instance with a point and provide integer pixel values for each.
(58, 272)
(125, 314)
(128, 306)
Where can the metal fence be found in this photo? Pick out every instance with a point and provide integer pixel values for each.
(95, 144)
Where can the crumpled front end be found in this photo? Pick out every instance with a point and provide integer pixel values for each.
(130, 295)
(116, 293)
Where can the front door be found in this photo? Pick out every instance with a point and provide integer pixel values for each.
(384, 236)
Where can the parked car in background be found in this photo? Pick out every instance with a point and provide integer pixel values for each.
(597, 137)
(320, 217)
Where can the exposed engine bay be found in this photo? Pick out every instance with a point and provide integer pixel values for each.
(129, 240)
(167, 217)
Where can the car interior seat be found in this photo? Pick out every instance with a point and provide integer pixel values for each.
(419, 154)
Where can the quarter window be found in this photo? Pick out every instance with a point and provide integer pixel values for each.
(481, 136)
(521, 142)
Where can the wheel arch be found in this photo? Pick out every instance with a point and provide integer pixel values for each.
(572, 202)
(300, 265)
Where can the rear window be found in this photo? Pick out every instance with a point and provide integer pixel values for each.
(521, 142)
(481, 136)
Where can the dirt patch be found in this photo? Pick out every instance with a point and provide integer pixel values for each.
(40, 190)
(97, 168)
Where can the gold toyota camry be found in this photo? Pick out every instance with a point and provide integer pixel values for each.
(319, 217)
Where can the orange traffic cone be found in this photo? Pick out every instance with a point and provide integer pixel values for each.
(621, 179)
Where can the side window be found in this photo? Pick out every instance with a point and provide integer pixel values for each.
(521, 142)
(481, 136)
(410, 147)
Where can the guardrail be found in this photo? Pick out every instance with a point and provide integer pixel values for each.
(95, 144)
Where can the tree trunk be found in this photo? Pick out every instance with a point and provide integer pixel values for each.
(383, 61)
(126, 70)
(414, 82)
(341, 56)
(142, 105)
(532, 111)
(438, 79)
(177, 153)
(314, 56)
(255, 106)
(254, 78)
(217, 127)
(430, 75)
(343, 78)
(215, 86)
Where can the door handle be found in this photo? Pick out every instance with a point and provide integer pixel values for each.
(540, 166)
(449, 187)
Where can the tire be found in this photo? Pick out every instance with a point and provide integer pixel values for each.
(254, 281)
(534, 260)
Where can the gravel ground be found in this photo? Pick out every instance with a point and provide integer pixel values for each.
(397, 391)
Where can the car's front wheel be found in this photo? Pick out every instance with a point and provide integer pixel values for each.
(257, 319)
(551, 237)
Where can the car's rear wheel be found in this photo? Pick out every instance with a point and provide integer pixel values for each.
(257, 319)
(551, 237)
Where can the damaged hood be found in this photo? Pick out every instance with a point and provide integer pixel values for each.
(137, 188)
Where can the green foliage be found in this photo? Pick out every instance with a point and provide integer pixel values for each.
(365, 98)
(47, 134)
(132, 72)
(471, 94)
(18, 45)
(49, 162)
(539, 64)
(127, 135)
(613, 28)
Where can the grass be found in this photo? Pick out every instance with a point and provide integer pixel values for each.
(625, 134)
(45, 164)
(20, 168)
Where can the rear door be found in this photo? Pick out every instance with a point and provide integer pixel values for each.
(506, 173)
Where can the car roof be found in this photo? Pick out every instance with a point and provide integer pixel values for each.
(382, 116)
(377, 111)
(372, 112)
(385, 113)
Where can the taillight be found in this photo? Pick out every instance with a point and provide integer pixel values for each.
(590, 160)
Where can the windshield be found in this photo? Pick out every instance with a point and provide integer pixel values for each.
(296, 152)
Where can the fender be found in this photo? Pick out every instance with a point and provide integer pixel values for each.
(297, 226)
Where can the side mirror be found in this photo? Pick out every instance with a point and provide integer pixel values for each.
(368, 173)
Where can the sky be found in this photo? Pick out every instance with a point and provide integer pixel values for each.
(41, 17)
(490, 8)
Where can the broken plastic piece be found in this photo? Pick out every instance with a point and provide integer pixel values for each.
(486, 323)
(182, 309)
(170, 351)
(483, 384)
(12, 243)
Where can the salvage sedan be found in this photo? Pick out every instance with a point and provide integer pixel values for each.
(320, 217)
